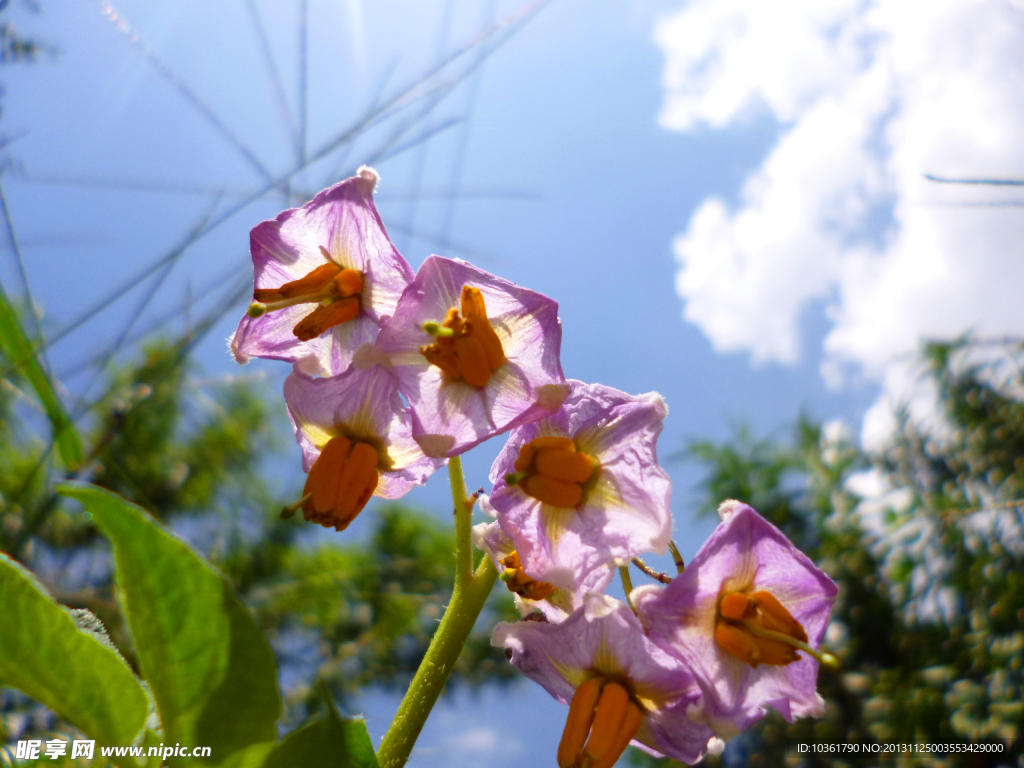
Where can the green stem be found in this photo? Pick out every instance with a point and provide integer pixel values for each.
(468, 598)
(463, 525)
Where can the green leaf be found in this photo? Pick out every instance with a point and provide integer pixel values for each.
(71, 671)
(331, 741)
(211, 670)
(250, 757)
(15, 345)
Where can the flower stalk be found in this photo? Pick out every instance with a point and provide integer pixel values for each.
(468, 598)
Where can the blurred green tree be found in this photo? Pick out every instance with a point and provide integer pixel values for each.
(929, 623)
(196, 455)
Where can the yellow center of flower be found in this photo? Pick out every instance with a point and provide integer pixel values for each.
(756, 628)
(466, 346)
(603, 718)
(551, 470)
(334, 289)
(525, 586)
(340, 482)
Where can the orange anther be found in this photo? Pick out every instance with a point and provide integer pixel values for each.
(577, 724)
(561, 443)
(324, 475)
(364, 496)
(512, 561)
(340, 482)
(472, 302)
(773, 615)
(472, 360)
(267, 294)
(313, 282)
(608, 719)
(538, 590)
(630, 725)
(734, 606)
(520, 583)
(757, 629)
(322, 318)
(775, 653)
(550, 491)
(348, 282)
(453, 321)
(565, 466)
(526, 454)
(480, 328)
(443, 358)
(473, 350)
(360, 467)
(738, 643)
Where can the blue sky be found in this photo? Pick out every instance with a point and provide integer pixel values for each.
(565, 115)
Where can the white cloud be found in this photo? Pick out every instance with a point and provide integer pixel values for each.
(480, 739)
(870, 96)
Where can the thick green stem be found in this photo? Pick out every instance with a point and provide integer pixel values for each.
(463, 525)
(468, 598)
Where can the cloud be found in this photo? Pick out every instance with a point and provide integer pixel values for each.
(480, 739)
(869, 97)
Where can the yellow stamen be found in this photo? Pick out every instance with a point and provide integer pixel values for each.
(520, 583)
(757, 629)
(313, 282)
(336, 290)
(348, 282)
(552, 471)
(324, 317)
(565, 466)
(630, 725)
(577, 725)
(472, 360)
(605, 712)
(465, 346)
(551, 491)
(340, 482)
(611, 711)
(323, 478)
(360, 472)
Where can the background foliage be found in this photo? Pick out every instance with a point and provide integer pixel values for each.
(196, 454)
(929, 624)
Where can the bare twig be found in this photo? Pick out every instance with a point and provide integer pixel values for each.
(676, 557)
(664, 578)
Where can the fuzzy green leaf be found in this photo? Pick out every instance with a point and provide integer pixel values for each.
(331, 741)
(73, 672)
(210, 668)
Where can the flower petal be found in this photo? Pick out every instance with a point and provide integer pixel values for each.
(343, 221)
(604, 637)
(744, 552)
(451, 416)
(365, 404)
(626, 512)
(490, 538)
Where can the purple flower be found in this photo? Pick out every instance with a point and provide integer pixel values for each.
(354, 433)
(601, 647)
(586, 488)
(531, 595)
(475, 355)
(327, 277)
(738, 614)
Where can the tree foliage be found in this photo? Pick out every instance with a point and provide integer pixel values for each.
(197, 455)
(929, 623)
